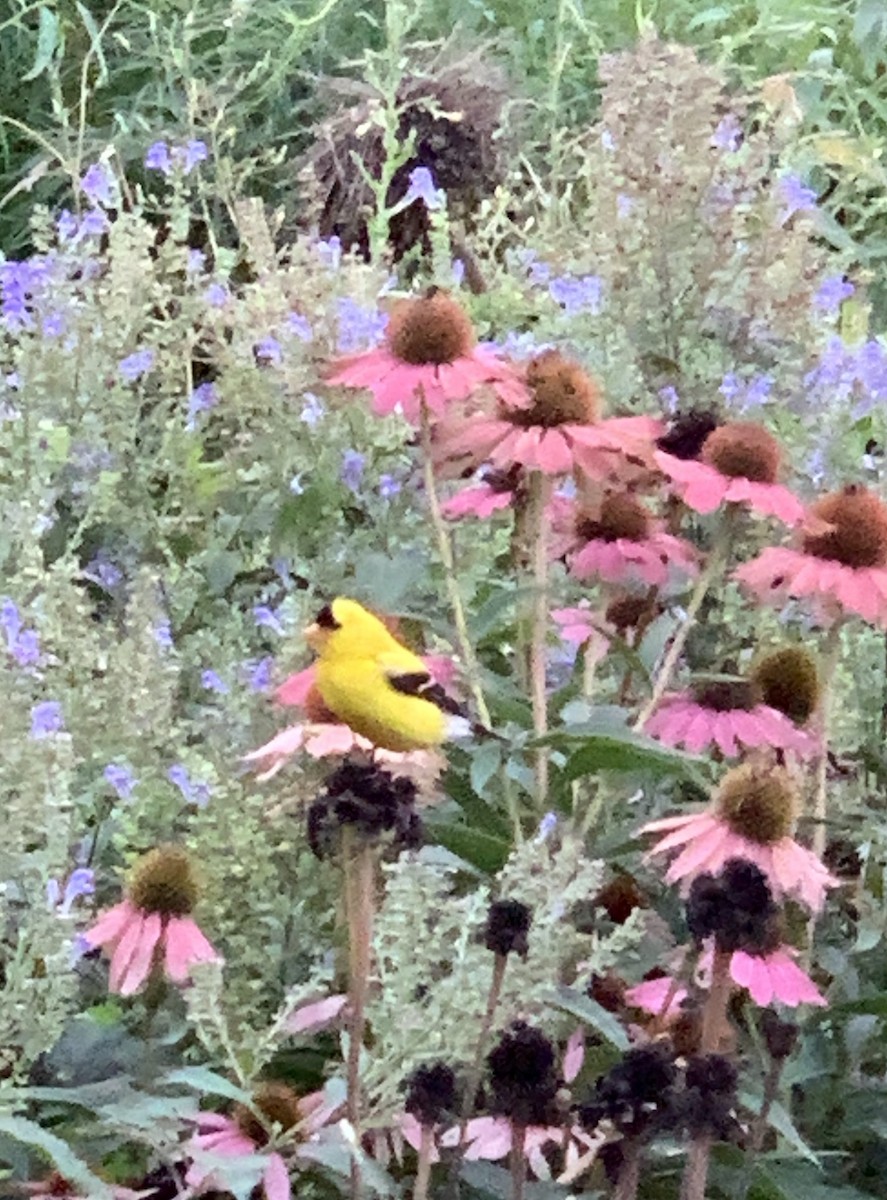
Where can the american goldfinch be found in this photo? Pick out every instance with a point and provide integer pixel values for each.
(370, 681)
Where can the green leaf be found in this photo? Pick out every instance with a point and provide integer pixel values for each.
(592, 749)
(95, 38)
(208, 1083)
(479, 814)
(780, 1120)
(481, 850)
(791, 1180)
(67, 1162)
(485, 762)
(579, 1005)
(47, 41)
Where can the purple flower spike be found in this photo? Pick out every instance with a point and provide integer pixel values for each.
(96, 185)
(194, 791)
(190, 155)
(203, 398)
(300, 326)
(134, 366)
(213, 682)
(422, 187)
(388, 486)
(313, 410)
(81, 882)
(267, 618)
(269, 349)
(796, 197)
(358, 328)
(158, 159)
(46, 720)
(353, 466)
(259, 673)
(121, 778)
(832, 293)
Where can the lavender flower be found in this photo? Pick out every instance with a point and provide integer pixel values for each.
(81, 882)
(213, 682)
(266, 618)
(96, 185)
(10, 619)
(53, 325)
(26, 648)
(457, 272)
(47, 719)
(21, 282)
(202, 399)
(796, 197)
(358, 327)
(217, 295)
(66, 226)
(352, 469)
(624, 205)
(388, 486)
(576, 296)
(832, 293)
(259, 673)
(162, 632)
(422, 187)
(93, 224)
(670, 399)
(728, 135)
(547, 826)
(300, 326)
(135, 365)
(190, 155)
(330, 252)
(608, 141)
(196, 261)
(158, 159)
(103, 572)
(269, 349)
(313, 410)
(121, 778)
(194, 791)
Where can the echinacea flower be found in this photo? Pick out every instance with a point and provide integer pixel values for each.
(738, 463)
(661, 997)
(492, 1138)
(495, 491)
(840, 563)
(429, 358)
(153, 928)
(752, 818)
(618, 542)
(775, 977)
(728, 715)
(553, 424)
(247, 1132)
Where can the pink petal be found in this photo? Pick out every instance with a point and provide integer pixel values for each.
(705, 494)
(481, 501)
(185, 946)
(143, 955)
(574, 1055)
(295, 688)
(752, 973)
(651, 994)
(792, 985)
(327, 739)
(277, 1179)
(112, 924)
(360, 370)
(490, 1138)
(699, 730)
(553, 453)
(724, 734)
(214, 1121)
(308, 1018)
(125, 950)
(707, 852)
(227, 1143)
(281, 747)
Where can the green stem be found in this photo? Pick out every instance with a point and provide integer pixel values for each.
(540, 490)
(831, 653)
(359, 869)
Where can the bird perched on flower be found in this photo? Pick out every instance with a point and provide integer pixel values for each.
(373, 683)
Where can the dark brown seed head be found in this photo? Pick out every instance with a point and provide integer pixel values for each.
(163, 882)
(742, 449)
(725, 695)
(857, 533)
(687, 432)
(608, 991)
(279, 1106)
(788, 680)
(759, 803)
(430, 330)
(563, 394)
(621, 516)
(625, 612)
(619, 898)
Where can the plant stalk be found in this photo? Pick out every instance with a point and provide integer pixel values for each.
(629, 1173)
(518, 1161)
(423, 1168)
(540, 491)
(359, 866)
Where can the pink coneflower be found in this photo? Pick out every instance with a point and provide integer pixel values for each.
(491, 1138)
(739, 464)
(726, 714)
(152, 928)
(752, 817)
(554, 427)
(429, 355)
(243, 1134)
(661, 997)
(775, 976)
(496, 490)
(619, 542)
(841, 563)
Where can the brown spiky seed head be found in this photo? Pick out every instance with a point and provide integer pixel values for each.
(279, 1106)
(788, 680)
(562, 392)
(858, 533)
(163, 882)
(621, 516)
(625, 612)
(430, 330)
(759, 802)
(725, 695)
(742, 449)
(620, 897)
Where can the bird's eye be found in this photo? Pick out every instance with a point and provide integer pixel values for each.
(325, 618)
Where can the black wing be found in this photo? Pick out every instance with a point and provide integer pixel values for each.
(420, 683)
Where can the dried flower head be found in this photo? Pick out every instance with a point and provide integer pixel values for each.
(430, 330)
(857, 533)
(621, 516)
(620, 897)
(687, 433)
(278, 1105)
(781, 1036)
(759, 802)
(743, 449)
(636, 1095)
(788, 680)
(163, 882)
(431, 1093)
(563, 393)
(507, 928)
(372, 802)
(736, 908)
(708, 1102)
(523, 1078)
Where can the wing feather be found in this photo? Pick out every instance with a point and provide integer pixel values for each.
(421, 685)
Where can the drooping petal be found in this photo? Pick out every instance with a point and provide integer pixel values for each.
(143, 955)
(276, 1179)
(295, 688)
(111, 925)
(185, 945)
(574, 1056)
(308, 1018)
(752, 973)
(124, 951)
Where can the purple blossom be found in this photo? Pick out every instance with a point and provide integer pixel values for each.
(158, 159)
(190, 155)
(728, 135)
(46, 719)
(217, 295)
(96, 185)
(269, 349)
(547, 826)
(121, 778)
(388, 487)
(313, 410)
(202, 399)
(162, 632)
(522, 345)
(539, 272)
(196, 261)
(93, 224)
(352, 469)
(213, 682)
(103, 572)
(832, 293)
(796, 197)
(624, 205)
(300, 326)
(259, 673)
(194, 791)
(66, 226)
(53, 325)
(135, 365)
(21, 282)
(330, 252)
(358, 327)
(670, 399)
(81, 882)
(457, 271)
(26, 648)
(10, 619)
(577, 295)
(743, 395)
(422, 187)
(266, 618)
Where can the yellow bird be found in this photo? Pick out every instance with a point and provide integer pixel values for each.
(381, 689)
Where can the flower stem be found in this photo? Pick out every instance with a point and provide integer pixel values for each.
(359, 867)
(423, 1168)
(831, 653)
(713, 567)
(518, 1161)
(629, 1173)
(714, 1017)
(500, 962)
(540, 491)
(445, 550)
(696, 1170)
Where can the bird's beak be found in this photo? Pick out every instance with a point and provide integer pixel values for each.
(313, 635)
